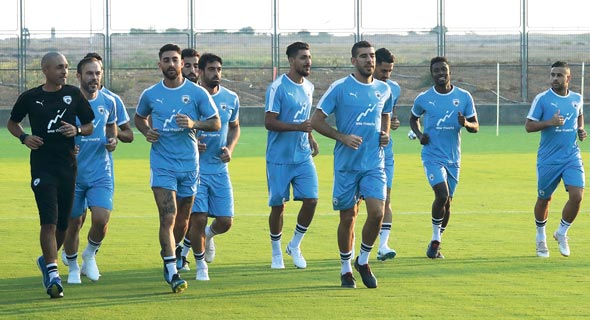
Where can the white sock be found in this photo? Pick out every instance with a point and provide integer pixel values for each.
(564, 226)
(275, 243)
(384, 235)
(364, 254)
(541, 236)
(345, 262)
(436, 225)
(171, 266)
(91, 248)
(186, 247)
(298, 236)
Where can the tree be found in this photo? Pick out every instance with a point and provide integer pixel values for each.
(246, 30)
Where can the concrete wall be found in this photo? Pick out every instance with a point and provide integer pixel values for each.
(254, 116)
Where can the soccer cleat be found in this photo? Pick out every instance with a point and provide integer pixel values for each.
(209, 250)
(277, 262)
(89, 268)
(347, 280)
(298, 259)
(178, 285)
(385, 254)
(183, 264)
(55, 289)
(74, 277)
(203, 274)
(542, 250)
(367, 276)
(43, 268)
(562, 241)
(433, 250)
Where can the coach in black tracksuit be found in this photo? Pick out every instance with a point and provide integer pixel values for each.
(52, 109)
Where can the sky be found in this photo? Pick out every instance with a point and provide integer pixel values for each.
(498, 16)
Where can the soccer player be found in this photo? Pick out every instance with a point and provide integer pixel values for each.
(445, 109)
(214, 194)
(290, 147)
(385, 61)
(190, 64)
(94, 181)
(52, 109)
(175, 106)
(557, 113)
(362, 107)
(124, 134)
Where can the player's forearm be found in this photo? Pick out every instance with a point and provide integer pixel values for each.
(211, 124)
(233, 134)
(319, 124)
(125, 134)
(141, 124)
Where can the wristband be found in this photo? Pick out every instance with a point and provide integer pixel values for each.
(22, 138)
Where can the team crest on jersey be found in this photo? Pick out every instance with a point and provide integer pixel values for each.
(68, 99)
(223, 106)
(36, 182)
(101, 110)
(186, 99)
(378, 94)
(456, 102)
(335, 201)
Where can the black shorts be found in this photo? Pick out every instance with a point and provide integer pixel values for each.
(54, 193)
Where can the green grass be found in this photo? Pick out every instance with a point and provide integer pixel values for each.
(490, 270)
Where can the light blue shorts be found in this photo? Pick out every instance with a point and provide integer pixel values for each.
(389, 170)
(183, 183)
(549, 176)
(98, 193)
(280, 177)
(437, 172)
(215, 195)
(351, 186)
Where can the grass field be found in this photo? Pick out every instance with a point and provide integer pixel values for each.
(490, 270)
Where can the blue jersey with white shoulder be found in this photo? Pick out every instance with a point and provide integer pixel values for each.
(558, 145)
(228, 105)
(441, 122)
(358, 108)
(122, 115)
(395, 93)
(292, 102)
(176, 148)
(94, 162)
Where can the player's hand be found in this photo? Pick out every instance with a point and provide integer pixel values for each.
(225, 155)
(33, 142)
(183, 121)
(76, 149)
(68, 130)
(315, 147)
(461, 118)
(352, 141)
(394, 123)
(383, 138)
(424, 139)
(152, 135)
(202, 147)
(305, 126)
(557, 120)
(582, 134)
(111, 144)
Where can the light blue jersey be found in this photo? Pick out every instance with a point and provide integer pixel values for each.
(395, 93)
(122, 115)
(441, 122)
(358, 108)
(176, 149)
(292, 102)
(228, 106)
(558, 144)
(94, 161)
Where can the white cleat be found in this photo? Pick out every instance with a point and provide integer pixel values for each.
(542, 250)
(564, 247)
(298, 259)
(385, 254)
(277, 262)
(89, 268)
(209, 250)
(74, 277)
(203, 274)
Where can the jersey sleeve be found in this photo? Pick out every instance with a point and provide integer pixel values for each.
(329, 100)
(113, 115)
(236, 114)
(143, 106)
(20, 109)
(273, 98)
(536, 110)
(417, 109)
(206, 106)
(84, 110)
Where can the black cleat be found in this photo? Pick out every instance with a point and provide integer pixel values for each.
(367, 276)
(347, 280)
